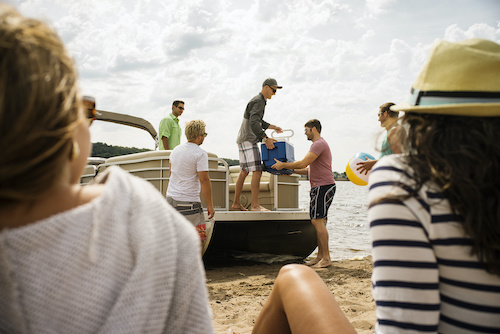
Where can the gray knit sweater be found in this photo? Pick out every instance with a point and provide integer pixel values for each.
(124, 263)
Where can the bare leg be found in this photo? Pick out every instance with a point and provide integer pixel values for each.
(256, 175)
(319, 239)
(315, 260)
(237, 191)
(301, 303)
(323, 259)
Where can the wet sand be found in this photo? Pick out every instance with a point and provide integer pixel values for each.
(237, 291)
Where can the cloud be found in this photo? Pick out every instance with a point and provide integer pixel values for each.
(378, 7)
(337, 60)
(479, 30)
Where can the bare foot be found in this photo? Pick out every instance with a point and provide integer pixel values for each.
(260, 208)
(238, 207)
(312, 262)
(322, 264)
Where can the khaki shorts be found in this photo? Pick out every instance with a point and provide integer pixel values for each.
(193, 212)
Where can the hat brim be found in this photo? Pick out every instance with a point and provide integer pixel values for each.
(465, 109)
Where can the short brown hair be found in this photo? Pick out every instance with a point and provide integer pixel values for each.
(177, 102)
(387, 107)
(313, 123)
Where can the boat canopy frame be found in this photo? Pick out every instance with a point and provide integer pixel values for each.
(133, 121)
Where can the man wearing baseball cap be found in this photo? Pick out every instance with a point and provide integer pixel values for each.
(252, 131)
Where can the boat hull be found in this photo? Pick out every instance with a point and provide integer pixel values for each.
(281, 233)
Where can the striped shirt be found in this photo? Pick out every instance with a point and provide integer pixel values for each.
(425, 279)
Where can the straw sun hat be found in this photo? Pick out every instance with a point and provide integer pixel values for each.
(460, 79)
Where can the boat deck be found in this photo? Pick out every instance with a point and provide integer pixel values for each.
(246, 216)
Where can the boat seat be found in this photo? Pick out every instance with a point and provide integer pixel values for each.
(265, 180)
(88, 174)
(90, 170)
(288, 188)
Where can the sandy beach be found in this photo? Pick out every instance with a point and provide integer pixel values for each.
(237, 292)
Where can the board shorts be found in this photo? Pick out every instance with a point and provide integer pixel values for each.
(321, 199)
(193, 212)
(250, 159)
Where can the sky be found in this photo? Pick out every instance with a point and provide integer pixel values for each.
(337, 60)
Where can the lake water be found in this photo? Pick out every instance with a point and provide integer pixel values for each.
(347, 220)
(347, 225)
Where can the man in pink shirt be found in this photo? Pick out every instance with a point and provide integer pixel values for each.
(319, 160)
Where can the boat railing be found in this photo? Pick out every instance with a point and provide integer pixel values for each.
(154, 167)
(219, 182)
(277, 192)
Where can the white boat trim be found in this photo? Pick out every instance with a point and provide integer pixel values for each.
(246, 216)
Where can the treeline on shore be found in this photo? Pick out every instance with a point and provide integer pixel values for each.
(104, 150)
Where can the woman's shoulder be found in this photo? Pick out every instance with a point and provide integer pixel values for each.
(390, 171)
(395, 163)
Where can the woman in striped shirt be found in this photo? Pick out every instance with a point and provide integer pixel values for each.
(434, 213)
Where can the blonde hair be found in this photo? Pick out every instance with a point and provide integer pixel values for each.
(39, 106)
(194, 129)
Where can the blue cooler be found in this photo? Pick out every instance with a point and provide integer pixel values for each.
(283, 151)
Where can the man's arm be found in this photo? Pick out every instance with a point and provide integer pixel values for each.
(206, 190)
(276, 128)
(164, 131)
(308, 159)
(302, 171)
(257, 124)
(270, 141)
(165, 143)
(396, 139)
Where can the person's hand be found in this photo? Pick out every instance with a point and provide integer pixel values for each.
(211, 212)
(278, 165)
(278, 129)
(270, 143)
(365, 166)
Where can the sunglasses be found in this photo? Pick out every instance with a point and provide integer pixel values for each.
(89, 104)
(205, 134)
(274, 90)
